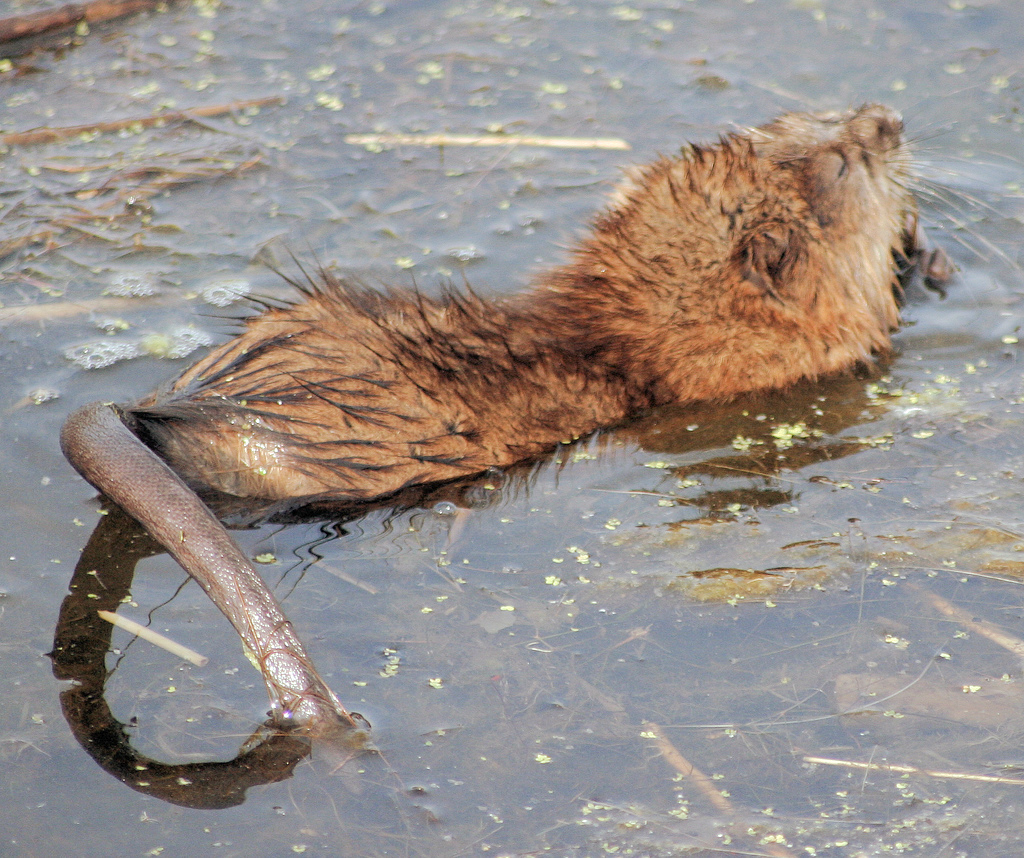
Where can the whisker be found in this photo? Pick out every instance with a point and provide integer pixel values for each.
(951, 196)
(948, 204)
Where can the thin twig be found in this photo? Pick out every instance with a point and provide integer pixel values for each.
(486, 140)
(68, 309)
(689, 770)
(49, 135)
(36, 23)
(703, 783)
(155, 638)
(1009, 642)
(914, 770)
(348, 579)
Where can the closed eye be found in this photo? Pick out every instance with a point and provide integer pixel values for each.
(839, 163)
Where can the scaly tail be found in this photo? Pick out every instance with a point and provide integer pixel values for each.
(109, 455)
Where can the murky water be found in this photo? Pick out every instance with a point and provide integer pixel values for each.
(540, 665)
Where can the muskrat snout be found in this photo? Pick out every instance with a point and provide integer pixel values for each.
(877, 129)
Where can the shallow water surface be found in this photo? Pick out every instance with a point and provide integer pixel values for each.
(813, 599)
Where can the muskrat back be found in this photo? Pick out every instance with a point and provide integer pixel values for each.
(746, 265)
(749, 264)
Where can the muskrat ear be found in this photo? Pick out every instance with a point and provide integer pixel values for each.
(766, 258)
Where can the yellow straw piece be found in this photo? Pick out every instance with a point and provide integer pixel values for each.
(153, 637)
(486, 140)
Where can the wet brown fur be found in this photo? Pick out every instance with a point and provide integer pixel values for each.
(747, 265)
(744, 265)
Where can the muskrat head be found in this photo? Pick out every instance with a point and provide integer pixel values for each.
(765, 258)
(848, 164)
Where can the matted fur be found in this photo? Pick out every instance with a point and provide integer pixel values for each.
(750, 264)
(744, 265)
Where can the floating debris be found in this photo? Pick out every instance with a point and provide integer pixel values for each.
(221, 293)
(154, 637)
(376, 142)
(469, 253)
(42, 394)
(132, 286)
(173, 345)
(176, 344)
(102, 353)
(112, 326)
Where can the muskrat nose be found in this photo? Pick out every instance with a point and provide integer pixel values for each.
(877, 128)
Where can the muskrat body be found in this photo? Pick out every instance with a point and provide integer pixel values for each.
(746, 265)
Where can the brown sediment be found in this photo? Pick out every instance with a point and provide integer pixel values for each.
(156, 120)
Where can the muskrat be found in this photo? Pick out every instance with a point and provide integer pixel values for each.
(768, 257)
